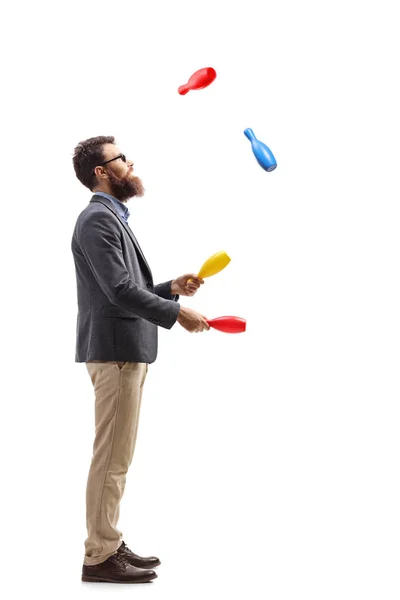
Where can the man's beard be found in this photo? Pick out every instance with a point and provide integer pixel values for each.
(125, 187)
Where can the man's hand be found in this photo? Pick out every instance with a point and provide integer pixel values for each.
(191, 320)
(183, 287)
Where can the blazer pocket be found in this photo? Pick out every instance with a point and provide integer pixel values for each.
(112, 312)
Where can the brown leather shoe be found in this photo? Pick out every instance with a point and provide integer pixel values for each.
(116, 569)
(138, 561)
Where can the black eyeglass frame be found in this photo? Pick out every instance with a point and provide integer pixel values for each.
(121, 156)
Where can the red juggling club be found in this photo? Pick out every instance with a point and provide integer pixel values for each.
(199, 80)
(228, 324)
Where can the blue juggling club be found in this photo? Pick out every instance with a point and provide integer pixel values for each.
(263, 154)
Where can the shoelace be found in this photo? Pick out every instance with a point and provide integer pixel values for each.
(121, 559)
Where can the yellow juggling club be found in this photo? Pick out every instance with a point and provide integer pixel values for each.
(214, 264)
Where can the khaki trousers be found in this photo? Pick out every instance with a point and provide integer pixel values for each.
(118, 390)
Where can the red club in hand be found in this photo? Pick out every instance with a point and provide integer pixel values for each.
(228, 324)
(198, 80)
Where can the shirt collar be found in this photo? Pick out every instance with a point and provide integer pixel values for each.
(123, 210)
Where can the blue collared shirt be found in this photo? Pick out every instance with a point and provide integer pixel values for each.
(120, 206)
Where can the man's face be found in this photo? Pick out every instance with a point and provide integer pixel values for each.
(123, 183)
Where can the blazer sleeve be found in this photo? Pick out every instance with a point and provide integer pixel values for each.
(164, 290)
(100, 242)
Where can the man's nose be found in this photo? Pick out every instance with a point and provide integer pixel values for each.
(130, 163)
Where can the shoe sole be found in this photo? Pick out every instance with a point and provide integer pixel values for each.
(94, 579)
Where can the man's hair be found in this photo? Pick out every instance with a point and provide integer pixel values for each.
(88, 155)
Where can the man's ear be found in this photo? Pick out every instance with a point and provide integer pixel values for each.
(100, 172)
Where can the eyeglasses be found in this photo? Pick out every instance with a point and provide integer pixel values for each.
(121, 156)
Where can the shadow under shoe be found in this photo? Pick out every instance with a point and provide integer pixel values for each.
(116, 569)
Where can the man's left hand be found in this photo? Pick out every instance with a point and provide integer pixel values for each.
(183, 287)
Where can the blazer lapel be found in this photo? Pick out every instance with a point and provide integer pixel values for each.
(109, 205)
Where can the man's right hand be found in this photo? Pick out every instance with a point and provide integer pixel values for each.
(191, 320)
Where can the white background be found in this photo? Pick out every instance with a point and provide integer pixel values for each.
(267, 463)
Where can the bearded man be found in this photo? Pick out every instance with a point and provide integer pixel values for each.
(119, 311)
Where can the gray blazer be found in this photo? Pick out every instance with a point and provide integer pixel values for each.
(119, 308)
